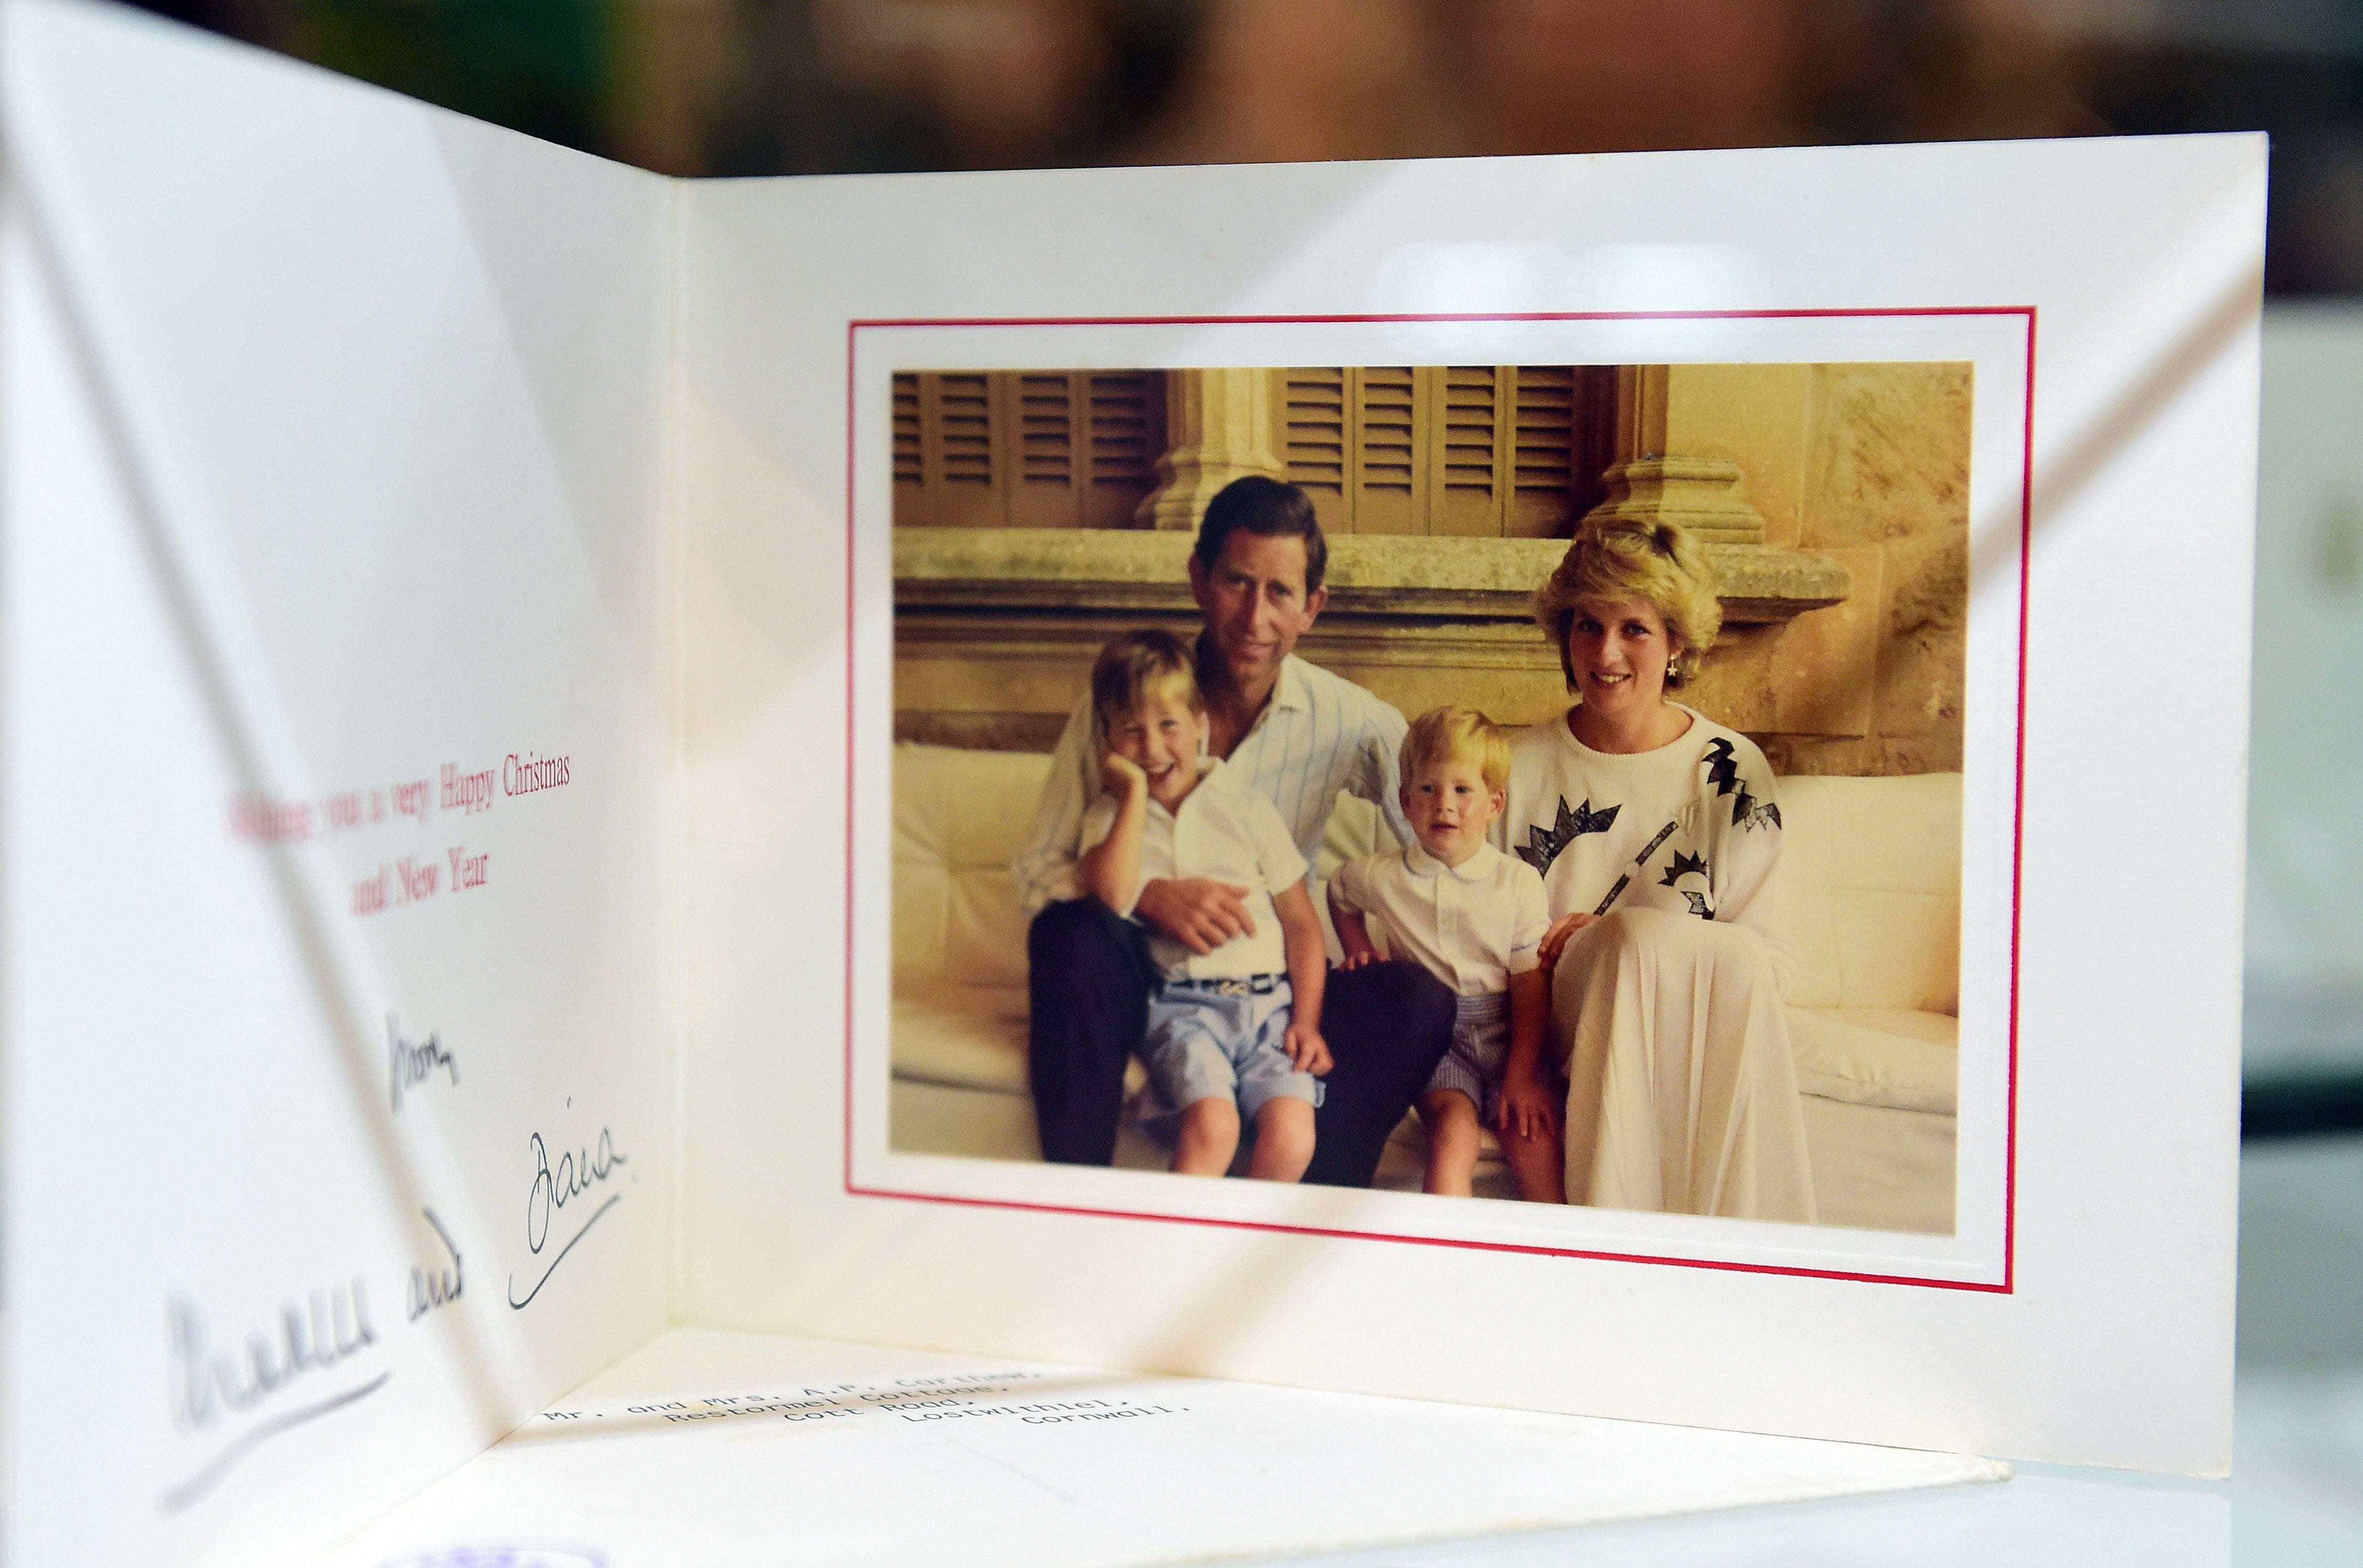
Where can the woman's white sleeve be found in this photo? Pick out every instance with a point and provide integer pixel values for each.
(1749, 825)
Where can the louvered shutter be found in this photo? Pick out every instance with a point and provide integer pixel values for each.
(1124, 415)
(912, 500)
(1387, 462)
(1317, 420)
(1466, 405)
(1542, 459)
(1024, 448)
(1042, 410)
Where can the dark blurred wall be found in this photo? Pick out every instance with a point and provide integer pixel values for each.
(783, 86)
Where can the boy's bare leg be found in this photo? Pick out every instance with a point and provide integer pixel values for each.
(1538, 1163)
(1209, 1136)
(1453, 1135)
(1283, 1144)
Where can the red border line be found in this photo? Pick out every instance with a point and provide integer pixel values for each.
(2024, 310)
(852, 603)
(2018, 812)
(2017, 825)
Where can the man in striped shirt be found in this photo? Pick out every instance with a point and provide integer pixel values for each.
(1299, 735)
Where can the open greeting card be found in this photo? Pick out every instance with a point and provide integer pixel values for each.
(572, 983)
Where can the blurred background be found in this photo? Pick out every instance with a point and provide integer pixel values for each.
(834, 86)
(747, 87)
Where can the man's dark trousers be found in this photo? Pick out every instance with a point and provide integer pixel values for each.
(1088, 978)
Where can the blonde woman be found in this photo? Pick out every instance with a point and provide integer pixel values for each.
(1655, 831)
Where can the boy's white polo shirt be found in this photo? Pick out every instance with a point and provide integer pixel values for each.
(1229, 830)
(1472, 926)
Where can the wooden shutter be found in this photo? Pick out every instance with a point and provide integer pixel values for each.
(910, 494)
(1543, 456)
(1353, 445)
(1041, 409)
(1317, 418)
(1124, 413)
(1465, 406)
(1024, 448)
(1387, 461)
(1405, 449)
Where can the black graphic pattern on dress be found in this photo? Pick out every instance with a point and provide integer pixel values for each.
(1683, 865)
(1639, 862)
(1723, 773)
(1698, 905)
(1721, 770)
(1543, 845)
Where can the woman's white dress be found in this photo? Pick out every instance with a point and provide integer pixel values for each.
(1681, 1084)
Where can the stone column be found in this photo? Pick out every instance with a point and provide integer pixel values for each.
(1649, 482)
(1218, 427)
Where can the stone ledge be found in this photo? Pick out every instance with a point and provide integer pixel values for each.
(1406, 577)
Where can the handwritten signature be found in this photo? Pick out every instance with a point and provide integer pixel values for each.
(332, 1325)
(439, 1287)
(575, 1175)
(329, 1328)
(409, 1064)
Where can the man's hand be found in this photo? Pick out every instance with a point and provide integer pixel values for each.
(1198, 912)
(1308, 1049)
(1562, 931)
(1356, 957)
(1121, 776)
(1528, 1110)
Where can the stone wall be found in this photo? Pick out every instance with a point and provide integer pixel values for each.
(1859, 474)
(1869, 463)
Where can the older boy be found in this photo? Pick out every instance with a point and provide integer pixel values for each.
(1234, 1032)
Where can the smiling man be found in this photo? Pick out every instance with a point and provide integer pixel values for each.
(1298, 735)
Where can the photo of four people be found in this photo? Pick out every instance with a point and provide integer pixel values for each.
(1474, 886)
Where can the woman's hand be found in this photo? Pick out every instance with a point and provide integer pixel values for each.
(1356, 957)
(1528, 1110)
(1562, 931)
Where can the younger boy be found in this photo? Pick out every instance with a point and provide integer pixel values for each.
(1235, 1031)
(1475, 917)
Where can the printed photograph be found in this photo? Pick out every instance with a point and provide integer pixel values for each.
(1529, 782)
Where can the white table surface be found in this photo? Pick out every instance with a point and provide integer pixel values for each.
(2296, 1493)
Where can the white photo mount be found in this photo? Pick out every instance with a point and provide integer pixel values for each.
(348, 441)
(1997, 341)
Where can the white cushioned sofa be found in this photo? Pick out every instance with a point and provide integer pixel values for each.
(1870, 870)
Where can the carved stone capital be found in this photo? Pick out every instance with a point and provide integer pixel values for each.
(1218, 427)
(1702, 494)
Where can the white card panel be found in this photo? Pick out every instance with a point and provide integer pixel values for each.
(339, 789)
(2091, 1322)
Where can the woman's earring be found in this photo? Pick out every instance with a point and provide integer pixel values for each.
(1673, 673)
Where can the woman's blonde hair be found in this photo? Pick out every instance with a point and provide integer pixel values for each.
(1460, 734)
(1614, 559)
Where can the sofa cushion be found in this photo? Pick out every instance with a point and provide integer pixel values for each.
(1900, 1058)
(959, 818)
(971, 1036)
(1870, 873)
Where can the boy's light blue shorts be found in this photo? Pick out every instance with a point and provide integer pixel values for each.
(1222, 1038)
(1478, 1054)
